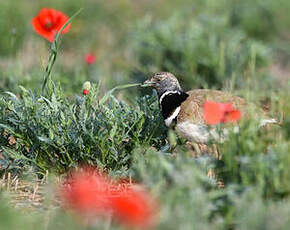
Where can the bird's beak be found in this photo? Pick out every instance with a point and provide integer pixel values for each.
(148, 83)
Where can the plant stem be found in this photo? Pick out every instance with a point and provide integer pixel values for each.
(53, 54)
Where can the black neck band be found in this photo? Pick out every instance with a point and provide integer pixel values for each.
(170, 100)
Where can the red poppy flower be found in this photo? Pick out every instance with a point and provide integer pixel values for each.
(215, 113)
(48, 22)
(90, 193)
(134, 208)
(87, 192)
(90, 58)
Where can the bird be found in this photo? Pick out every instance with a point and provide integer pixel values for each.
(184, 111)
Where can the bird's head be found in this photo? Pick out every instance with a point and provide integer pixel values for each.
(162, 82)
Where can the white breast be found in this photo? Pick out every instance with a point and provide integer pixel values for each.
(201, 133)
(169, 120)
(193, 132)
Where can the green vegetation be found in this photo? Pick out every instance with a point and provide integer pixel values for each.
(240, 46)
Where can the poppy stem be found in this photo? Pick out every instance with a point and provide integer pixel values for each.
(110, 92)
(53, 54)
(48, 69)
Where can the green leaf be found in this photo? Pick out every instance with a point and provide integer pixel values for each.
(12, 95)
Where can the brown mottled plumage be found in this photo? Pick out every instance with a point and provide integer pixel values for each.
(184, 110)
(192, 108)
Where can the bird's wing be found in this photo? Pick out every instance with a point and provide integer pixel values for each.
(192, 108)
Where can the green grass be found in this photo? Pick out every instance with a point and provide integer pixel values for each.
(55, 134)
(230, 45)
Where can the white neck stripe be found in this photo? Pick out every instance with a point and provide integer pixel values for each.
(169, 120)
(166, 93)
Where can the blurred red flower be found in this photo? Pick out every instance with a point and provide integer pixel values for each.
(90, 58)
(92, 194)
(48, 22)
(85, 92)
(134, 208)
(87, 192)
(215, 113)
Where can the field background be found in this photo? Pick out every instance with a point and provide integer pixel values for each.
(237, 46)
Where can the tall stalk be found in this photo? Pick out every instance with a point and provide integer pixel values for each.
(47, 83)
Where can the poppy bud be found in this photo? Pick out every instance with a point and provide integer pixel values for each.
(85, 92)
(87, 85)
